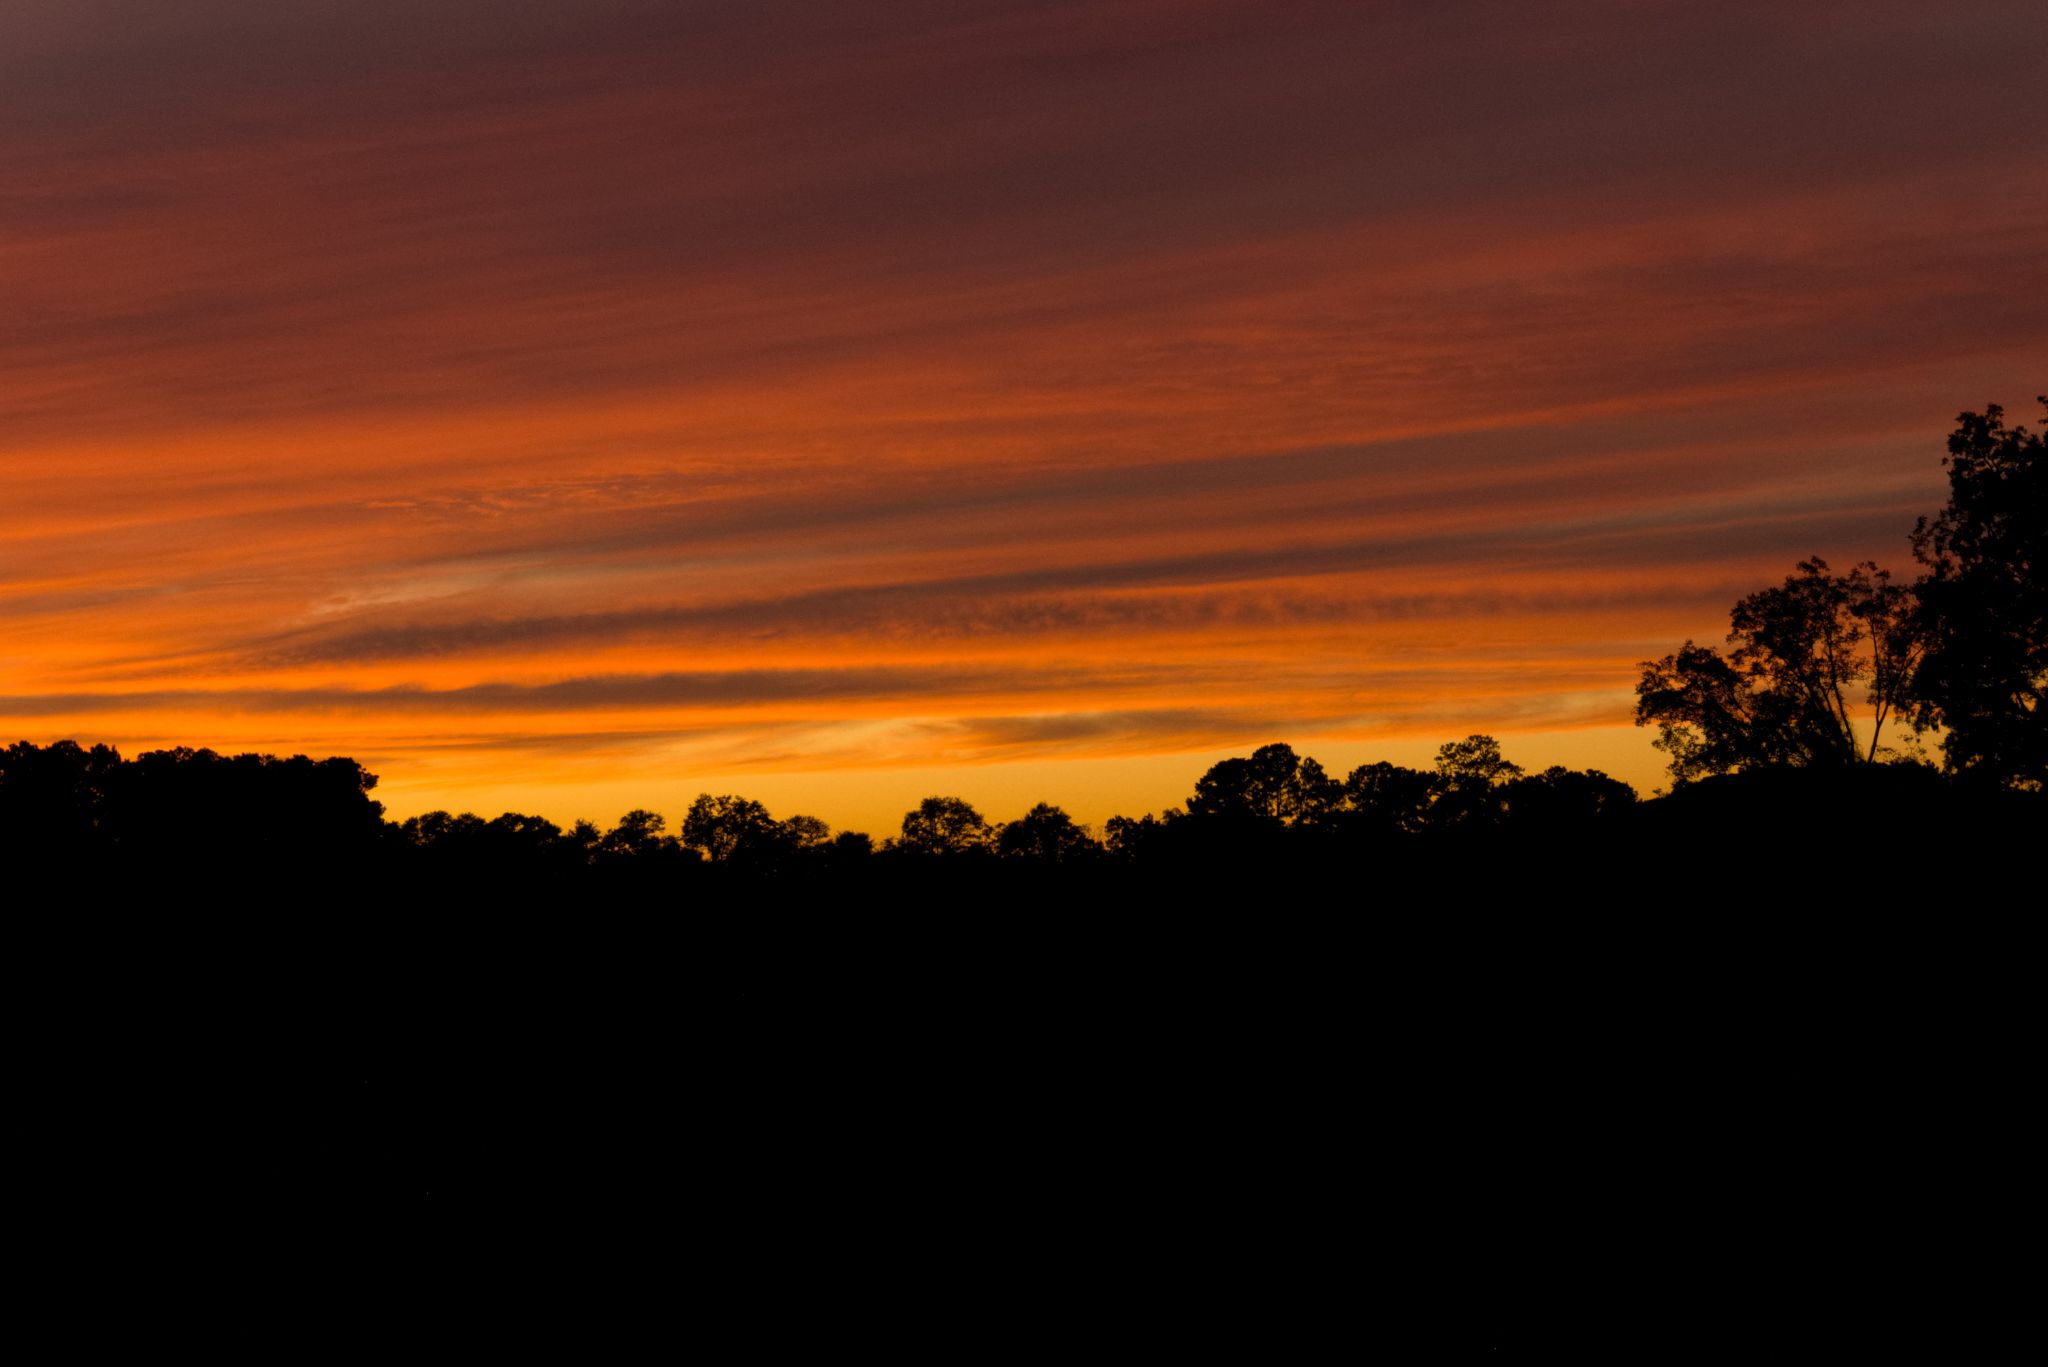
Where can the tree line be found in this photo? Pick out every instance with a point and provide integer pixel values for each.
(242, 824)
(70, 802)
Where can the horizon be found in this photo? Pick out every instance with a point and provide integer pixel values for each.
(1166, 782)
(580, 409)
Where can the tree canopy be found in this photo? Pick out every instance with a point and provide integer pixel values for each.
(1787, 693)
(1983, 605)
(1274, 784)
(1471, 780)
(944, 826)
(1045, 834)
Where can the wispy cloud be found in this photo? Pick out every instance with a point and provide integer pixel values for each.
(973, 381)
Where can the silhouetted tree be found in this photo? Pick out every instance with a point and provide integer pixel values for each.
(846, 851)
(439, 828)
(516, 830)
(1134, 837)
(640, 834)
(1782, 695)
(1387, 799)
(1984, 604)
(804, 833)
(1470, 782)
(53, 798)
(1560, 800)
(943, 826)
(501, 851)
(732, 829)
(1274, 784)
(1046, 834)
(174, 808)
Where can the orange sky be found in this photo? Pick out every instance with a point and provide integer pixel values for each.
(569, 407)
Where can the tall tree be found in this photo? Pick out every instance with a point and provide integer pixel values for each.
(1785, 693)
(1984, 603)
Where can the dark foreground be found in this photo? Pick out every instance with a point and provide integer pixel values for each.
(1738, 1077)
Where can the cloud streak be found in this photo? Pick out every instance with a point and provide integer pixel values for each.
(1143, 373)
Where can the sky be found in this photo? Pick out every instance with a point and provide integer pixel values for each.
(569, 407)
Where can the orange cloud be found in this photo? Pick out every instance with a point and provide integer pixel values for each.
(802, 393)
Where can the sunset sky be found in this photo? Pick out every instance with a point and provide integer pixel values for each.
(574, 405)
